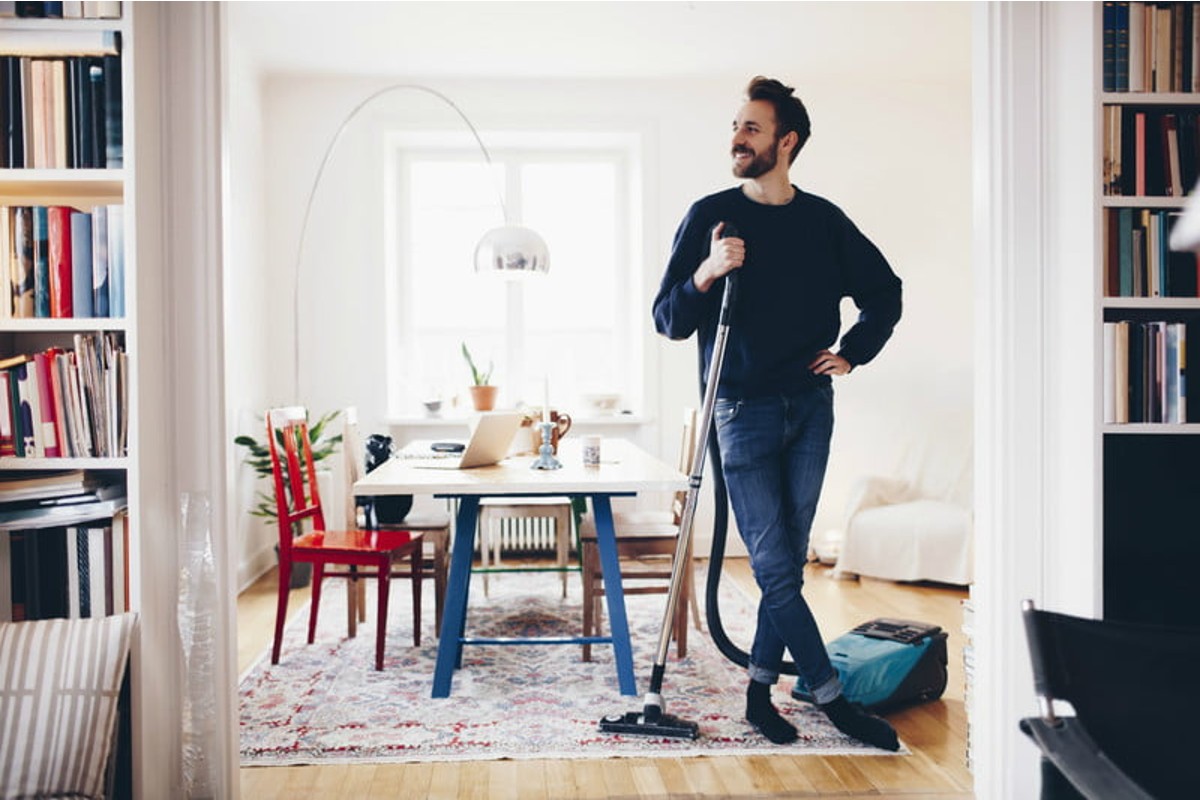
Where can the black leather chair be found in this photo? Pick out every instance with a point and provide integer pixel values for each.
(1136, 696)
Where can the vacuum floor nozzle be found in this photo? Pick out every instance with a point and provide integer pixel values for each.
(637, 724)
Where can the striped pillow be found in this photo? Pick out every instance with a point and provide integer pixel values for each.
(59, 682)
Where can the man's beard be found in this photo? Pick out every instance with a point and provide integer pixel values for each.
(760, 164)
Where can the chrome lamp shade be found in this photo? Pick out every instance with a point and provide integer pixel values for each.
(512, 251)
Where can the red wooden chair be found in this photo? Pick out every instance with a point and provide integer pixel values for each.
(298, 500)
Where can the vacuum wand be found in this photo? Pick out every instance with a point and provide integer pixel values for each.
(653, 719)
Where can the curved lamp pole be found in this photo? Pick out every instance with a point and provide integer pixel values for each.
(509, 250)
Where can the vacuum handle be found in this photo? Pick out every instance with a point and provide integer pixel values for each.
(729, 295)
(687, 518)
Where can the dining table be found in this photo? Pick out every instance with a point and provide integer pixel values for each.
(625, 470)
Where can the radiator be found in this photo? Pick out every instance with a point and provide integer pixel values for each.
(532, 535)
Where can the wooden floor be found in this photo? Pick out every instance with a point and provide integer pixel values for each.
(934, 732)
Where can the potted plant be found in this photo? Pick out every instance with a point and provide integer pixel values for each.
(258, 458)
(483, 394)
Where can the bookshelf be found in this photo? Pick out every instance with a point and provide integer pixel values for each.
(66, 150)
(1148, 302)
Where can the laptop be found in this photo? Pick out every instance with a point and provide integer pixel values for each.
(489, 442)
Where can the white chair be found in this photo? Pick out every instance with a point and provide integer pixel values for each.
(493, 510)
(434, 528)
(917, 524)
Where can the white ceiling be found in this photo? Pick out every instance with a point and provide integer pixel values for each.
(578, 39)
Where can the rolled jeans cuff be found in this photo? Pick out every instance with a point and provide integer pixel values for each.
(762, 675)
(828, 691)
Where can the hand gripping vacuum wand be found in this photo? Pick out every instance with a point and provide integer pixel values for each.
(652, 721)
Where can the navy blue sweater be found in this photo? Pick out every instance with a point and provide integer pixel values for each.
(802, 258)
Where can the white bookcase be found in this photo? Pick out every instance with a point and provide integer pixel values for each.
(1150, 475)
(83, 189)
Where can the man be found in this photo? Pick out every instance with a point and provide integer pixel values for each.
(795, 256)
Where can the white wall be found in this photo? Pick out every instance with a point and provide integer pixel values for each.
(893, 152)
(250, 343)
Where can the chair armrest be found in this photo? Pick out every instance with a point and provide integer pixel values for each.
(1068, 746)
(874, 491)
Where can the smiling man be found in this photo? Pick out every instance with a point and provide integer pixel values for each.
(796, 256)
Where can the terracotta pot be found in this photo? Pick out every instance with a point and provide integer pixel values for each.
(484, 397)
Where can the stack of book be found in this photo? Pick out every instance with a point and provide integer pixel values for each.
(1145, 364)
(1150, 151)
(66, 9)
(1137, 259)
(61, 111)
(61, 262)
(1151, 47)
(63, 545)
(61, 403)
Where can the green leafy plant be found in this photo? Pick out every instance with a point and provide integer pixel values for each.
(258, 457)
(480, 378)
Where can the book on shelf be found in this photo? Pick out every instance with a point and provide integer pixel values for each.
(42, 43)
(26, 429)
(7, 256)
(116, 261)
(46, 407)
(41, 262)
(114, 143)
(25, 485)
(58, 233)
(99, 279)
(7, 445)
(46, 516)
(21, 275)
(67, 9)
(81, 263)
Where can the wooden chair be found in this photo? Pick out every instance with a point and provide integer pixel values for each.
(646, 542)
(297, 503)
(434, 529)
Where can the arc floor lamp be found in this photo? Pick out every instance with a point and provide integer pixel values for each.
(510, 250)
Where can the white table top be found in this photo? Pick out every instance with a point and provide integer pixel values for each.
(623, 468)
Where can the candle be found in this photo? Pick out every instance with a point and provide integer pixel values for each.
(546, 399)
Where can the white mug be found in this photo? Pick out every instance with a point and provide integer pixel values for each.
(591, 451)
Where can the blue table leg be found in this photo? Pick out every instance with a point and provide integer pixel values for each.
(606, 539)
(457, 587)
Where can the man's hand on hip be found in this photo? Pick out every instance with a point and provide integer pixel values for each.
(827, 363)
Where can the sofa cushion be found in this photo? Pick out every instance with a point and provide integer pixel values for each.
(59, 685)
(926, 540)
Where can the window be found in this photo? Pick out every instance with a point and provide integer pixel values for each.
(575, 327)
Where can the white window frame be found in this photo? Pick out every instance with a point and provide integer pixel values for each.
(405, 147)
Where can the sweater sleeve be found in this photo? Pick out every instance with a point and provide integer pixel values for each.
(876, 291)
(679, 307)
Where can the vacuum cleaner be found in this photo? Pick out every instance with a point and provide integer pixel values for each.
(883, 664)
(652, 720)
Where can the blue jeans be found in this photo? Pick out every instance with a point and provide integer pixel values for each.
(774, 451)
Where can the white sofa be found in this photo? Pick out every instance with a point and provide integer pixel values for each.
(917, 524)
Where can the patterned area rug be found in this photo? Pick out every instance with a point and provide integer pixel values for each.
(324, 702)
